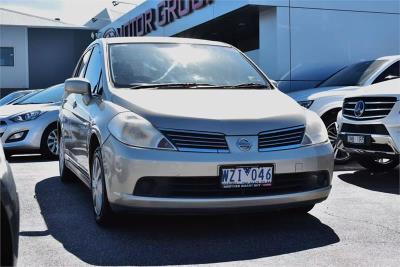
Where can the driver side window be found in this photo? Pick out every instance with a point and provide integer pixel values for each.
(93, 71)
(82, 64)
(393, 72)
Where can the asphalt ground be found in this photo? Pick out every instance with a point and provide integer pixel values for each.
(359, 225)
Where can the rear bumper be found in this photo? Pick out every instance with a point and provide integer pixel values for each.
(124, 166)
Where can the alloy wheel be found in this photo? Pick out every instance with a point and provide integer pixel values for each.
(340, 154)
(97, 186)
(52, 142)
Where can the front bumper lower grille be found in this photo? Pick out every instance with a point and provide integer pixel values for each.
(364, 129)
(202, 187)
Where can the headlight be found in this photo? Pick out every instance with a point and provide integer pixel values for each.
(29, 116)
(133, 130)
(316, 132)
(306, 103)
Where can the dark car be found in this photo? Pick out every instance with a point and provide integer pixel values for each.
(9, 214)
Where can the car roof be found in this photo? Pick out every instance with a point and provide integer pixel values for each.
(167, 40)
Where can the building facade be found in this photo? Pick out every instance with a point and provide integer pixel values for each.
(298, 43)
(37, 52)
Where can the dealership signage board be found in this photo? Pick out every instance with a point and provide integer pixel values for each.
(166, 12)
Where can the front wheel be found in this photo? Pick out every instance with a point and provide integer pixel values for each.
(341, 155)
(49, 144)
(101, 206)
(377, 164)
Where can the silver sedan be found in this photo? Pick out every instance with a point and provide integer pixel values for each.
(171, 124)
(31, 125)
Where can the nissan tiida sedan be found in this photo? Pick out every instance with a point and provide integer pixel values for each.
(183, 125)
(30, 125)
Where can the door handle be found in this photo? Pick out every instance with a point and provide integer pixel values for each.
(74, 104)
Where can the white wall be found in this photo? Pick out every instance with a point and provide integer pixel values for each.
(325, 40)
(16, 76)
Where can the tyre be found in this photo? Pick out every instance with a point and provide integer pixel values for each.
(377, 164)
(101, 206)
(49, 143)
(341, 156)
(66, 175)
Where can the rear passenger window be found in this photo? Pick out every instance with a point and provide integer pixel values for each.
(393, 72)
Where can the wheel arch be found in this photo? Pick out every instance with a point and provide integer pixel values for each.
(328, 114)
(94, 142)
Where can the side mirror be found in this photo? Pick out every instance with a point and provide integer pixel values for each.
(275, 83)
(77, 86)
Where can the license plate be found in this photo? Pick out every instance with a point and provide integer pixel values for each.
(356, 139)
(244, 177)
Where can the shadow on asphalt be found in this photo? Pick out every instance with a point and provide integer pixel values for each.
(387, 182)
(170, 240)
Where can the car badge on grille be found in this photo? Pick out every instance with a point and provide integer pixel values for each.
(244, 144)
(359, 108)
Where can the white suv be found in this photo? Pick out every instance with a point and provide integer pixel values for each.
(327, 98)
(369, 125)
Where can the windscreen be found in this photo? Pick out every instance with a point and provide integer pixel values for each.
(354, 75)
(52, 94)
(10, 97)
(161, 63)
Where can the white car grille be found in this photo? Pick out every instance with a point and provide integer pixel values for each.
(367, 108)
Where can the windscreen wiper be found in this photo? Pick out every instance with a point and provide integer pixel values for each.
(249, 85)
(172, 85)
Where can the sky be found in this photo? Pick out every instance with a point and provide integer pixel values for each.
(71, 11)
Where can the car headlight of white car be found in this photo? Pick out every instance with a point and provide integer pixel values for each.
(29, 116)
(134, 130)
(306, 103)
(316, 132)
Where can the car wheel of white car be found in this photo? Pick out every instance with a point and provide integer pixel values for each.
(101, 207)
(341, 156)
(378, 164)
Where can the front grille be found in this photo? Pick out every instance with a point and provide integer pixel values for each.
(364, 129)
(277, 139)
(374, 107)
(200, 187)
(197, 141)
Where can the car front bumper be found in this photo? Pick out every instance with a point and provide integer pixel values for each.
(34, 131)
(125, 165)
(391, 139)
